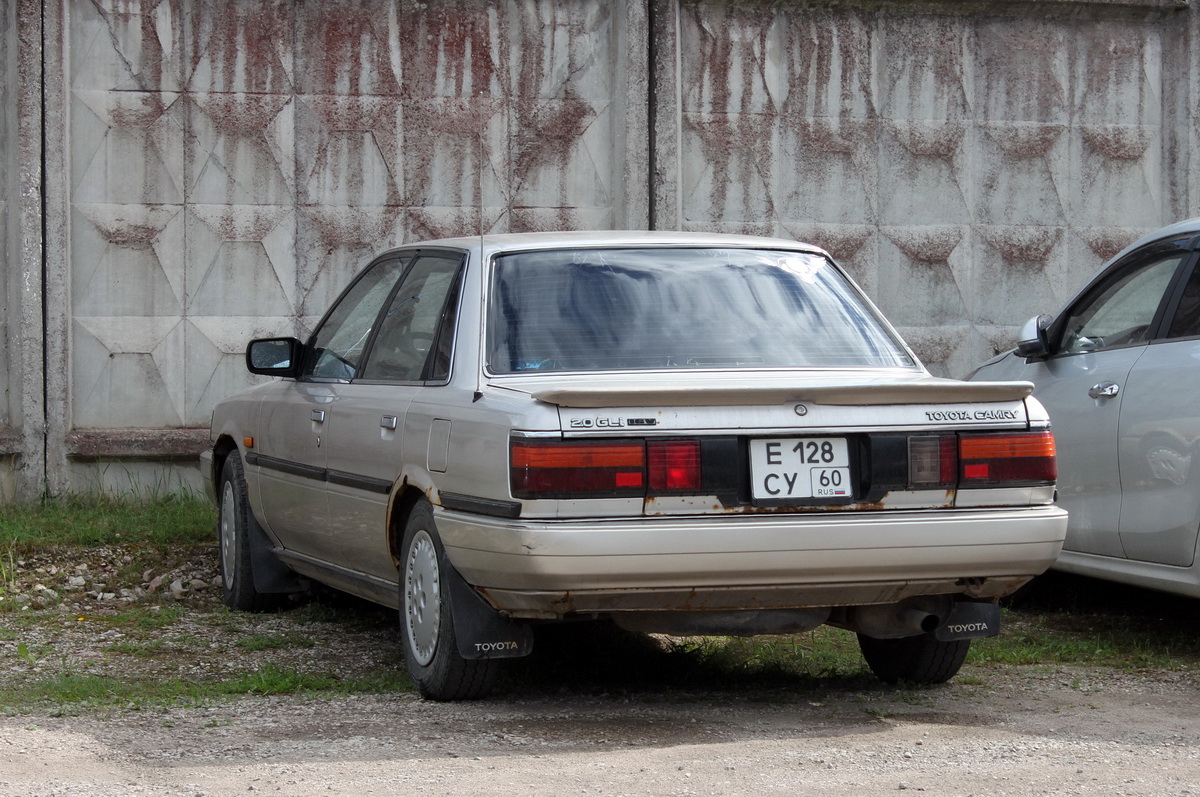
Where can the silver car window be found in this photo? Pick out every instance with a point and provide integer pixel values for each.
(410, 327)
(602, 309)
(1121, 313)
(339, 342)
(1186, 323)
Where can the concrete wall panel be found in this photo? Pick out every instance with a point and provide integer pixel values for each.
(229, 164)
(10, 264)
(216, 170)
(983, 165)
(22, 378)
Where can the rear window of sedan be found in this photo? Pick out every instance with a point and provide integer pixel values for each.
(690, 308)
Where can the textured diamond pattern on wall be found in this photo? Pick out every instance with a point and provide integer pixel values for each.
(234, 162)
(943, 158)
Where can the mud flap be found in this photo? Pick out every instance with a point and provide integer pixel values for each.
(969, 620)
(480, 630)
(271, 575)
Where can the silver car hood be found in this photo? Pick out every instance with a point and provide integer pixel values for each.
(701, 389)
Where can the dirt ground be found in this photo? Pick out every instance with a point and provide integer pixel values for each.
(994, 730)
(1054, 731)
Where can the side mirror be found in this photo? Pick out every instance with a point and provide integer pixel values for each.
(1032, 340)
(274, 357)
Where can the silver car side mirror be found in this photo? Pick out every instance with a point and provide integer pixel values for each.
(1032, 340)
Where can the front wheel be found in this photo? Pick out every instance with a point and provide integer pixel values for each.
(920, 659)
(235, 522)
(427, 622)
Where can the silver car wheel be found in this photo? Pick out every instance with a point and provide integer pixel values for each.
(422, 598)
(228, 535)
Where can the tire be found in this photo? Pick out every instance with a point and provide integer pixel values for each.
(427, 623)
(234, 524)
(920, 659)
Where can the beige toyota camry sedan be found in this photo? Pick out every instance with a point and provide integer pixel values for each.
(681, 433)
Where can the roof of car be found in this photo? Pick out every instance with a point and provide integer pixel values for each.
(1185, 227)
(492, 244)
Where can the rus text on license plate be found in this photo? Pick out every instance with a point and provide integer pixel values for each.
(800, 467)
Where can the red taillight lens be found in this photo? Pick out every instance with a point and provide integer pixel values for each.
(674, 466)
(604, 469)
(545, 469)
(993, 459)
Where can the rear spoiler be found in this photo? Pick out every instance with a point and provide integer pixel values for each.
(926, 391)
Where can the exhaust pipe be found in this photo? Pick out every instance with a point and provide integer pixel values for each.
(892, 621)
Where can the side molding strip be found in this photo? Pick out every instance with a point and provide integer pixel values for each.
(368, 483)
(480, 506)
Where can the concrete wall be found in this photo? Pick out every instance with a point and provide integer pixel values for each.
(22, 410)
(218, 169)
(9, 263)
(970, 169)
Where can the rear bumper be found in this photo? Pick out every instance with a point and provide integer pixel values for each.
(546, 568)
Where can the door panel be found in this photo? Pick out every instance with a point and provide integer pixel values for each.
(292, 480)
(300, 423)
(1086, 388)
(1089, 478)
(367, 446)
(1159, 429)
(369, 450)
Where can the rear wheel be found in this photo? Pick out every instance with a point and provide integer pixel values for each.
(920, 659)
(427, 623)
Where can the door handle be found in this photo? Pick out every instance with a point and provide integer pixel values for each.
(317, 415)
(388, 422)
(1104, 390)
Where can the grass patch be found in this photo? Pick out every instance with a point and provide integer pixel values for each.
(143, 649)
(1119, 642)
(135, 618)
(343, 610)
(1069, 621)
(822, 653)
(288, 639)
(1073, 620)
(71, 691)
(95, 520)
(601, 658)
(8, 564)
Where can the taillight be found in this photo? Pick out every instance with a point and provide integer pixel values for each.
(932, 461)
(544, 469)
(603, 469)
(980, 460)
(1006, 459)
(674, 466)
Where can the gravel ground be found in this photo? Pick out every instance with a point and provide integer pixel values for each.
(1018, 735)
(994, 731)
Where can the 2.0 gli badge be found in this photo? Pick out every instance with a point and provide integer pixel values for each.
(611, 423)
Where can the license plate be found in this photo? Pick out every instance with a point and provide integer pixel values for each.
(800, 467)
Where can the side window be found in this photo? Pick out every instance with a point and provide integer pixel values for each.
(414, 324)
(339, 342)
(1186, 323)
(1120, 312)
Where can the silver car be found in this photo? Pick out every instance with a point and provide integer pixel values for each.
(687, 434)
(1119, 371)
